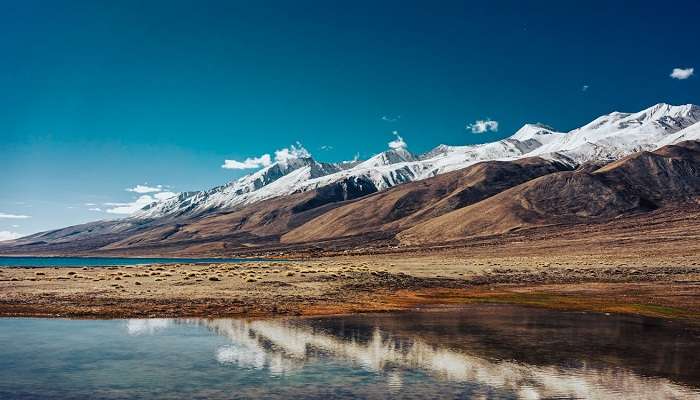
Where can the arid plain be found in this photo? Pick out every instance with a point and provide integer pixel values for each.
(647, 264)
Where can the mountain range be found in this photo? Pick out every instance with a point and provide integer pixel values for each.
(618, 164)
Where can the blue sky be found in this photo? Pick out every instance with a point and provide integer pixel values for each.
(100, 96)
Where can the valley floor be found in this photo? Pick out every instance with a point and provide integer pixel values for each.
(641, 279)
(647, 264)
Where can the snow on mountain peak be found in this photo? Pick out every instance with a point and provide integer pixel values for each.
(290, 168)
(532, 131)
(690, 133)
(607, 137)
(661, 115)
(392, 156)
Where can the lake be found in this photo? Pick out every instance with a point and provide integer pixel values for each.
(480, 351)
(107, 261)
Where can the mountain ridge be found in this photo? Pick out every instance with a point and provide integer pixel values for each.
(607, 137)
(643, 181)
(396, 193)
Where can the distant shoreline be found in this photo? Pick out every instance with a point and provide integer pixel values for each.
(90, 261)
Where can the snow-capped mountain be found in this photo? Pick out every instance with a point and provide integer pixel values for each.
(618, 134)
(285, 175)
(606, 138)
(388, 157)
(690, 133)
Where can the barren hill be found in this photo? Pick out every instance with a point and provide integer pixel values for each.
(641, 182)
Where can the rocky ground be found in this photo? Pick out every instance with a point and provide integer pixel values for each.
(666, 285)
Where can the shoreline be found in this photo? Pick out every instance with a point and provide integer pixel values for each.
(574, 304)
(663, 287)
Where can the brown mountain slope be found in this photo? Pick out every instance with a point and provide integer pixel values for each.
(408, 204)
(258, 224)
(489, 198)
(641, 182)
(254, 225)
(261, 225)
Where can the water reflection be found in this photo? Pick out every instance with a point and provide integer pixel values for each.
(481, 348)
(137, 327)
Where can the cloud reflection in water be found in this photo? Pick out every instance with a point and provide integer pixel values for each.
(284, 346)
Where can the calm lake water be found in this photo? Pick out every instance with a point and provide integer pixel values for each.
(486, 351)
(105, 261)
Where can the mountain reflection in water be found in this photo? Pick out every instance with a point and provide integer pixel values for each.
(480, 351)
(583, 355)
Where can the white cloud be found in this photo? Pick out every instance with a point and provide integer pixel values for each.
(145, 189)
(481, 126)
(249, 163)
(7, 235)
(682, 73)
(162, 196)
(130, 208)
(291, 152)
(387, 118)
(141, 202)
(397, 143)
(89, 204)
(13, 216)
(95, 209)
(584, 88)
(265, 160)
(326, 147)
(15, 226)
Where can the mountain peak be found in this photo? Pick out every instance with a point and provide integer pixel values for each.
(663, 110)
(388, 157)
(668, 116)
(608, 137)
(532, 131)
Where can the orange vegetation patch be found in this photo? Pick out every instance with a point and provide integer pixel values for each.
(607, 298)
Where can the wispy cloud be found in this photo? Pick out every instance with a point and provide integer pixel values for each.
(584, 88)
(148, 195)
(397, 143)
(141, 202)
(682, 73)
(13, 216)
(265, 160)
(482, 126)
(7, 235)
(145, 189)
(355, 158)
(162, 196)
(326, 147)
(129, 208)
(388, 118)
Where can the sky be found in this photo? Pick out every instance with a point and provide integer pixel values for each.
(99, 97)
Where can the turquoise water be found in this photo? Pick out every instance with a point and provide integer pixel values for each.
(479, 352)
(105, 261)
